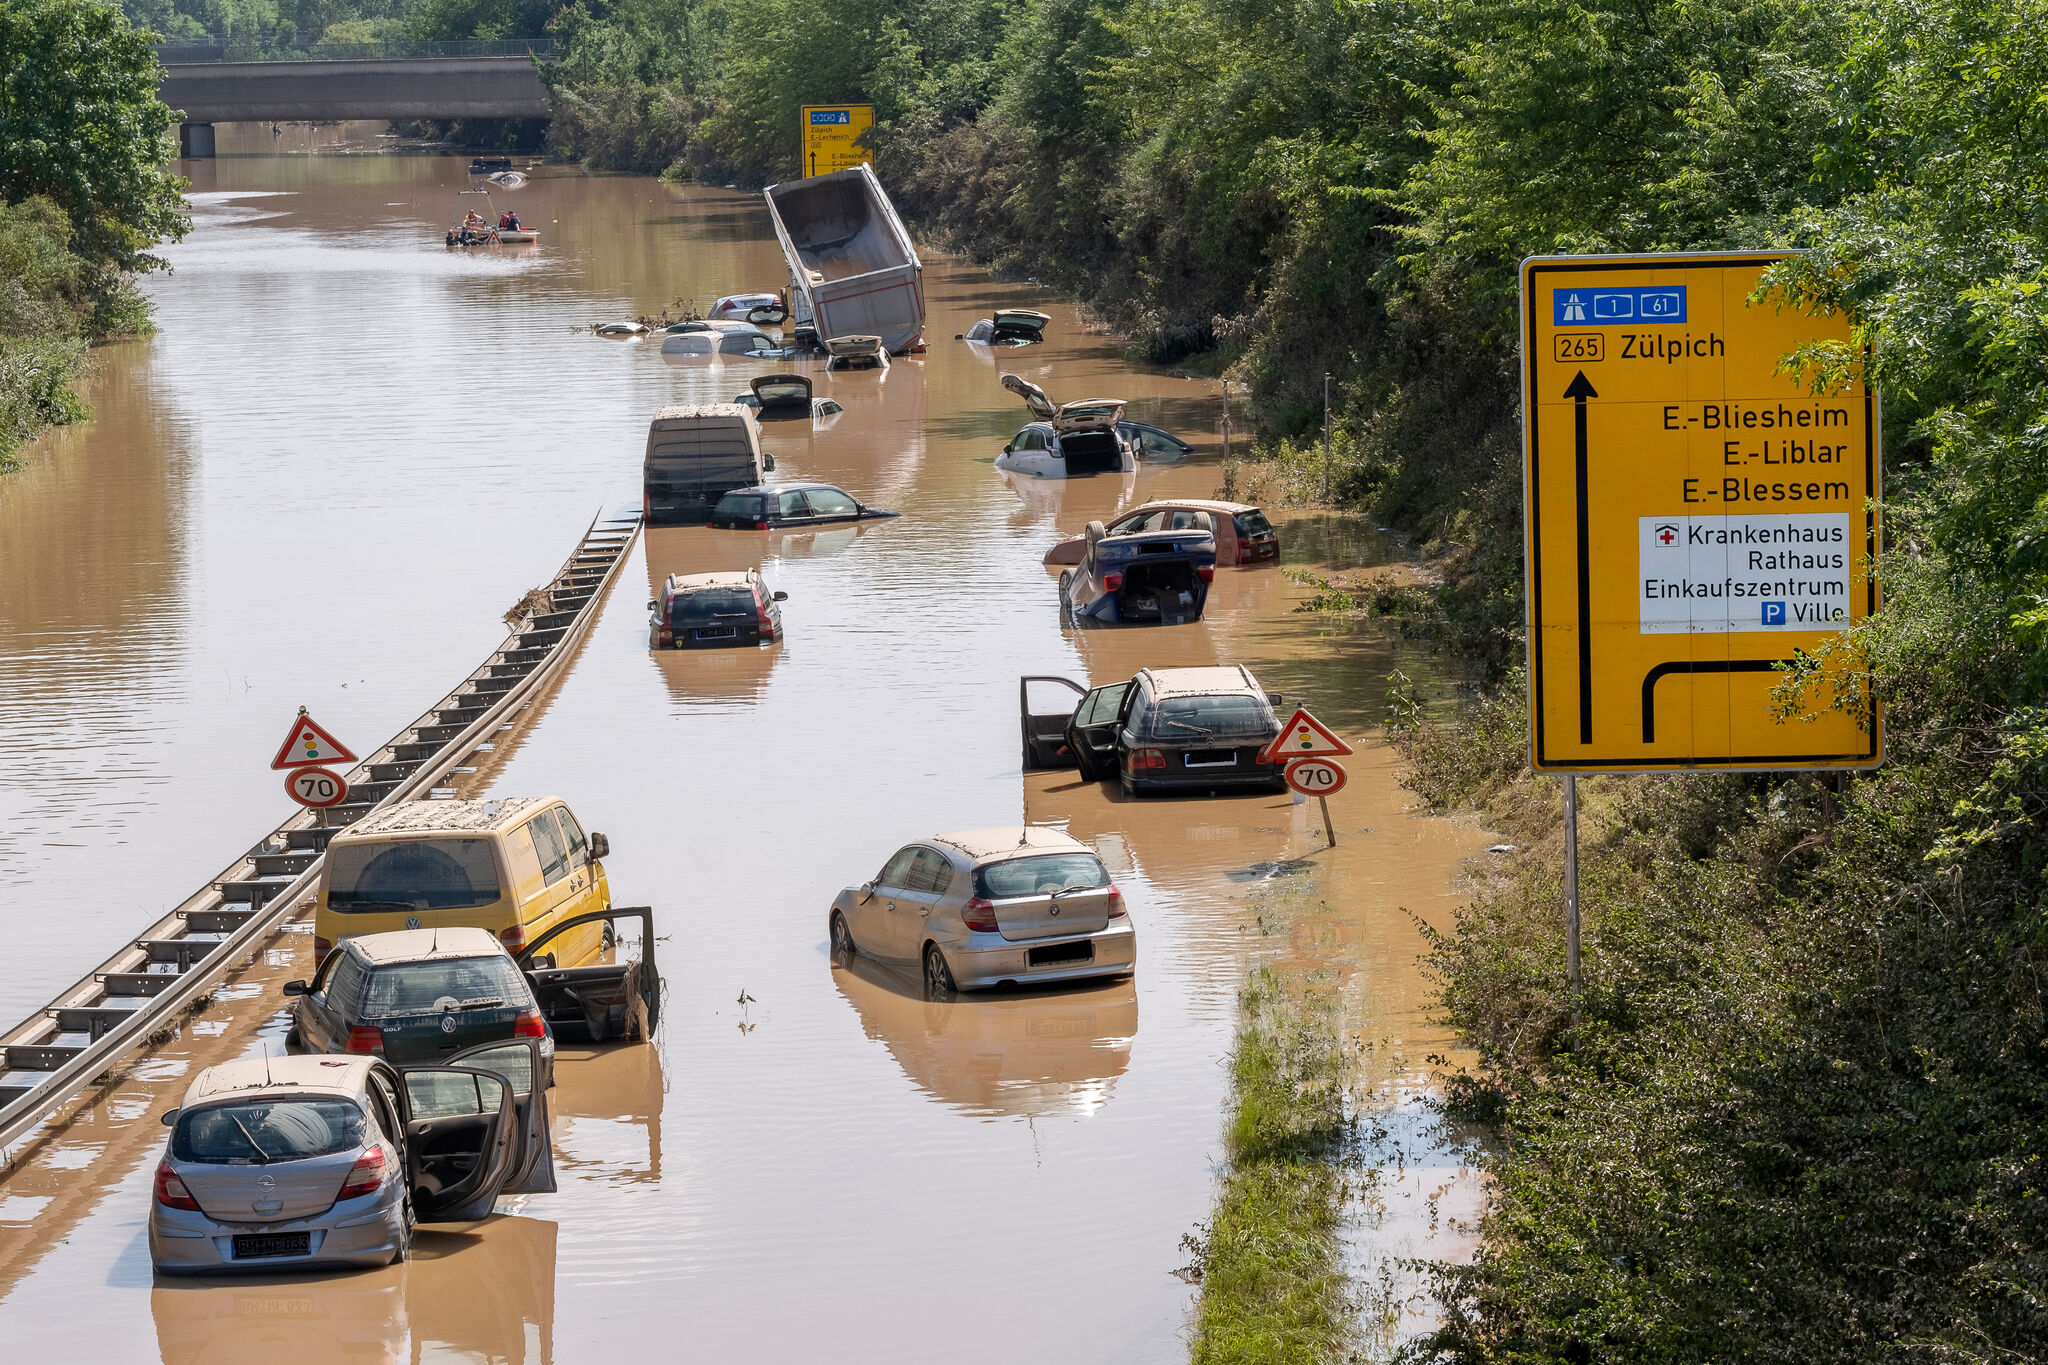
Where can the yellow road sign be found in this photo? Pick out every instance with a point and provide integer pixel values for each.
(830, 132)
(1693, 517)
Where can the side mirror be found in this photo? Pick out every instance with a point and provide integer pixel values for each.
(170, 1117)
(652, 604)
(1272, 698)
(600, 847)
(782, 597)
(867, 892)
(767, 462)
(297, 988)
(1006, 450)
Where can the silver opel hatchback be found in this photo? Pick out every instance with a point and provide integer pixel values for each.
(288, 1163)
(990, 907)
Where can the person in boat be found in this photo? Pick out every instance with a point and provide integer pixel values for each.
(472, 219)
(511, 220)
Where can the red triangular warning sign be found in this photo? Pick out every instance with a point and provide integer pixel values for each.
(1303, 736)
(308, 744)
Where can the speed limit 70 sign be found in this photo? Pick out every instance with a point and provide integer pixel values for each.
(317, 787)
(1315, 776)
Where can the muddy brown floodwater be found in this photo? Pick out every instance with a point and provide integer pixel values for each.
(345, 454)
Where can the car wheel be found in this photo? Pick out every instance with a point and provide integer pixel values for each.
(938, 977)
(842, 938)
(405, 1226)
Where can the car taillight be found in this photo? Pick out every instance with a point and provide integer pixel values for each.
(1207, 572)
(171, 1191)
(366, 1039)
(760, 526)
(1116, 902)
(529, 1025)
(513, 938)
(365, 1176)
(1266, 760)
(1113, 581)
(321, 948)
(1147, 758)
(663, 635)
(761, 611)
(980, 914)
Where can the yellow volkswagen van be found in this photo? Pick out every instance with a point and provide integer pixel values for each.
(516, 866)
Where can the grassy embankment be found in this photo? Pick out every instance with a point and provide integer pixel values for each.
(43, 314)
(1274, 1285)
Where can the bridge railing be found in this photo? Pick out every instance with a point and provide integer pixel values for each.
(194, 54)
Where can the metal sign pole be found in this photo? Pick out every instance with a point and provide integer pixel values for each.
(1326, 436)
(1571, 885)
(1226, 421)
(1329, 830)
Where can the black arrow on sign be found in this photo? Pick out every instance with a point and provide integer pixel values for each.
(1579, 392)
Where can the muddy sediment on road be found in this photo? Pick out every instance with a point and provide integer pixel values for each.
(797, 1127)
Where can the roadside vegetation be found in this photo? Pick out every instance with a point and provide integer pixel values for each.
(1270, 1260)
(83, 200)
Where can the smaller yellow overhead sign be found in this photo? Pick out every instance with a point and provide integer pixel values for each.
(831, 134)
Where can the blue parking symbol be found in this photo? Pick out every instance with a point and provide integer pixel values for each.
(1774, 613)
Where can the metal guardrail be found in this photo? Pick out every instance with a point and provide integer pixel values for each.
(198, 54)
(42, 1060)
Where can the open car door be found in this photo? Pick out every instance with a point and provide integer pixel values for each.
(604, 1000)
(1044, 719)
(1092, 732)
(522, 1065)
(461, 1138)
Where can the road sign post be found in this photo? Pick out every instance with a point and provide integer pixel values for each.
(1318, 777)
(1697, 518)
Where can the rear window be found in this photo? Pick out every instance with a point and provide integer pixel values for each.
(681, 469)
(711, 606)
(414, 874)
(1232, 716)
(253, 1132)
(784, 393)
(687, 343)
(741, 505)
(459, 983)
(1253, 523)
(1039, 876)
(742, 343)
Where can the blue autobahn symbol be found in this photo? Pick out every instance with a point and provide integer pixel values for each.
(1774, 613)
(831, 116)
(1633, 304)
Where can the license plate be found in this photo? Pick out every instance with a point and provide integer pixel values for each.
(1083, 951)
(1209, 758)
(257, 1246)
(718, 632)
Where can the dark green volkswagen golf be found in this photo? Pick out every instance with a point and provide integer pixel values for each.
(416, 996)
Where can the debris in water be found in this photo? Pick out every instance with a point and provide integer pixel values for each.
(1501, 848)
(1267, 871)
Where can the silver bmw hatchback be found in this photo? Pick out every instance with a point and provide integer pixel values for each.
(990, 907)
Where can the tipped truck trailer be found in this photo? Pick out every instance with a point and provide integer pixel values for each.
(852, 268)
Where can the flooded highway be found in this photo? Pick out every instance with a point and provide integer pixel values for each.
(345, 455)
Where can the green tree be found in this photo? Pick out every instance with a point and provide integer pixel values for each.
(80, 123)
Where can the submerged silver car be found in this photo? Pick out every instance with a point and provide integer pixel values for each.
(990, 907)
(289, 1163)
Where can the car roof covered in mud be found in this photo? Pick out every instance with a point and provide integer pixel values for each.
(444, 817)
(681, 583)
(1200, 682)
(426, 945)
(699, 412)
(787, 488)
(336, 1075)
(1191, 504)
(1011, 841)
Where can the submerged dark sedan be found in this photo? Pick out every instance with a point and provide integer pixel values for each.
(775, 505)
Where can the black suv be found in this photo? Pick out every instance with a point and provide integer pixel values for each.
(715, 610)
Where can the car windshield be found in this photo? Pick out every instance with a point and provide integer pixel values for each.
(1231, 716)
(740, 505)
(419, 874)
(261, 1131)
(447, 984)
(1039, 876)
(709, 606)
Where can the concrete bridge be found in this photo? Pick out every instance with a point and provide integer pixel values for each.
(398, 87)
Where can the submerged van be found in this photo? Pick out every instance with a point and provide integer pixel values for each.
(696, 454)
(516, 866)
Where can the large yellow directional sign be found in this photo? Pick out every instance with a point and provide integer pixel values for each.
(830, 132)
(1694, 517)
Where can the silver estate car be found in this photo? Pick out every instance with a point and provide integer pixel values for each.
(289, 1163)
(990, 907)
